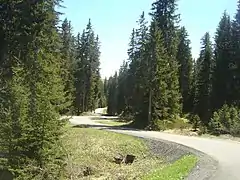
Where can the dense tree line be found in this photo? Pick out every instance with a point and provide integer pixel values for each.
(89, 90)
(45, 71)
(161, 81)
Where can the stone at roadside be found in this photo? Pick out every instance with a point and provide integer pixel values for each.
(129, 159)
(119, 159)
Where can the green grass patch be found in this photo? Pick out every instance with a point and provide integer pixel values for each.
(113, 122)
(176, 171)
(92, 151)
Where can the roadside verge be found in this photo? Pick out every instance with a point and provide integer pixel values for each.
(206, 167)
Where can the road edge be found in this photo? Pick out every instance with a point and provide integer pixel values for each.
(206, 167)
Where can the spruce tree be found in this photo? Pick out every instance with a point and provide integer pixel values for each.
(223, 54)
(234, 96)
(31, 101)
(68, 57)
(203, 106)
(90, 83)
(196, 68)
(131, 72)
(163, 94)
(112, 95)
(184, 58)
(80, 74)
(140, 95)
(164, 13)
(122, 88)
(11, 86)
(96, 73)
(87, 71)
(105, 84)
(102, 102)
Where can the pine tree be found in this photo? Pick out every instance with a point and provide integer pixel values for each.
(13, 93)
(87, 73)
(163, 94)
(234, 96)
(184, 58)
(131, 71)
(96, 73)
(80, 74)
(203, 106)
(33, 94)
(196, 68)
(112, 95)
(222, 74)
(105, 83)
(140, 95)
(68, 56)
(164, 13)
(122, 88)
(102, 102)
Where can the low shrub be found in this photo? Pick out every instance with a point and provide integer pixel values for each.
(161, 125)
(196, 122)
(226, 121)
(177, 123)
(181, 123)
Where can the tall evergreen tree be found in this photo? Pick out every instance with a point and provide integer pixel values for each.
(163, 94)
(68, 57)
(87, 73)
(30, 127)
(96, 73)
(80, 78)
(112, 95)
(204, 81)
(132, 70)
(222, 75)
(140, 64)
(164, 13)
(235, 62)
(102, 102)
(184, 58)
(90, 86)
(196, 68)
(105, 83)
(122, 88)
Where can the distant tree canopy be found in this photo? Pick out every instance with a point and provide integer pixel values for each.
(161, 81)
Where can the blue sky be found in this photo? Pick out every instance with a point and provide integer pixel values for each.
(113, 21)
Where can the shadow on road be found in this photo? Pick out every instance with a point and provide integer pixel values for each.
(107, 117)
(104, 127)
(101, 118)
(5, 175)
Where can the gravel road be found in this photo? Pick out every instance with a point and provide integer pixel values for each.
(225, 152)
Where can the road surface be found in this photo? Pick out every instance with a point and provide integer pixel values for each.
(226, 152)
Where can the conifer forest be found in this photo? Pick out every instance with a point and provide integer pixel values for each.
(47, 71)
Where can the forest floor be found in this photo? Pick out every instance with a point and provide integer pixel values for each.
(91, 155)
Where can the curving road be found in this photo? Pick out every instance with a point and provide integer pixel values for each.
(226, 152)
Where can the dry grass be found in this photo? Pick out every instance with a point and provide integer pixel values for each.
(92, 151)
